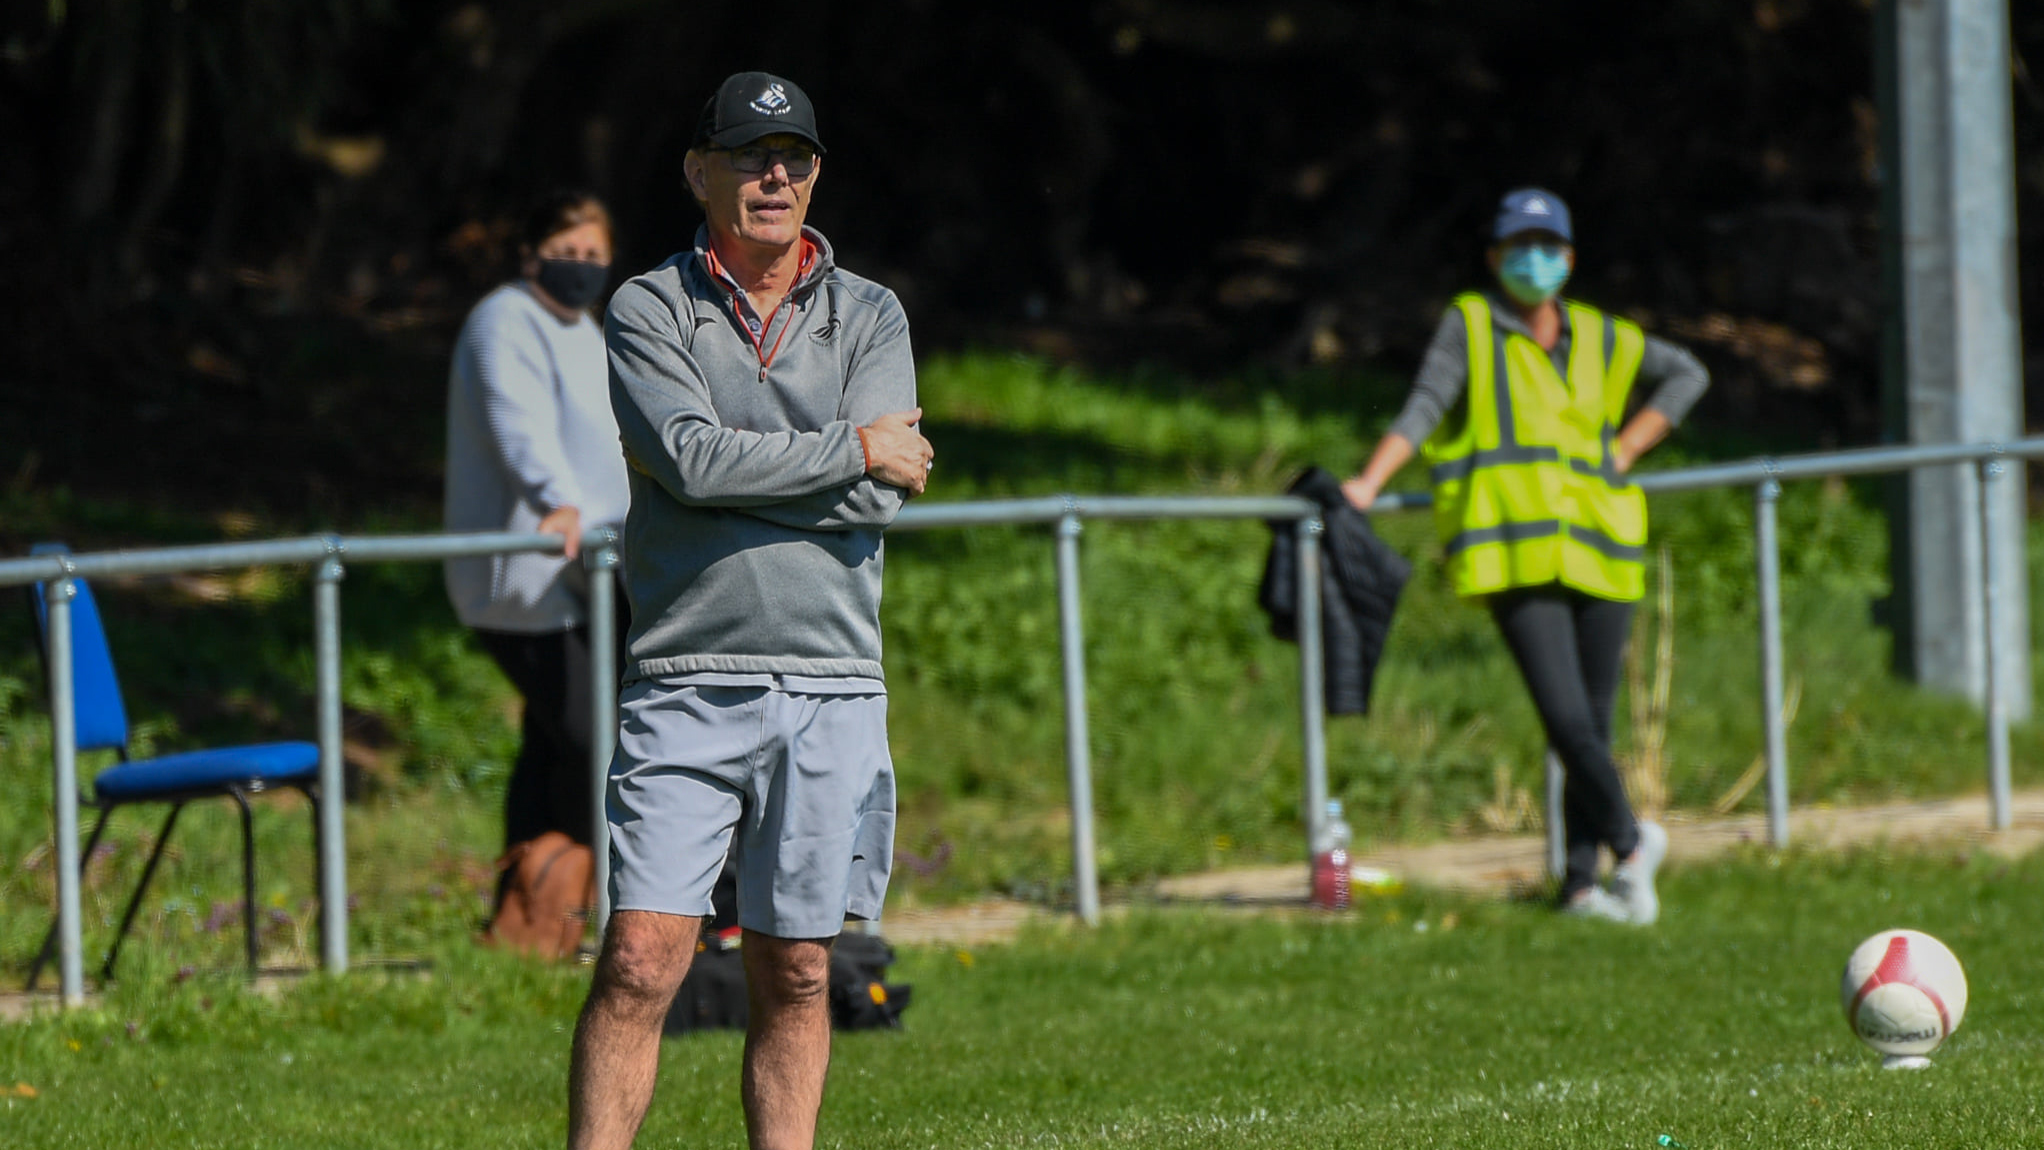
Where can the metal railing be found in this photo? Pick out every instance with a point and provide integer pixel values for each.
(1765, 476)
(1069, 512)
(327, 554)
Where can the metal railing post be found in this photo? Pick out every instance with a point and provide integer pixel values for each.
(601, 563)
(1767, 560)
(333, 843)
(1557, 837)
(1078, 752)
(1312, 688)
(64, 763)
(1999, 799)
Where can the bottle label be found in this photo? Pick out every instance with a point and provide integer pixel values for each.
(1331, 880)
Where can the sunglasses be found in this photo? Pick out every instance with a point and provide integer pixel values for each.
(751, 159)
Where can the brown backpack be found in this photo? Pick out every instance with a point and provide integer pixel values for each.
(543, 897)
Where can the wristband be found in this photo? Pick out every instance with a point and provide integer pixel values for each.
(865, 452)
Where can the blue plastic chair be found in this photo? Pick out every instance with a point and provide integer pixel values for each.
(224, 772)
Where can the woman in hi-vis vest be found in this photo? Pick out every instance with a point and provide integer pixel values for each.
(1521, 410)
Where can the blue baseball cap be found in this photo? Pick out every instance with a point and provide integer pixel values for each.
(1531, 210)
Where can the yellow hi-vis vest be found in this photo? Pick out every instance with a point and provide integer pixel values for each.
(1525, 490)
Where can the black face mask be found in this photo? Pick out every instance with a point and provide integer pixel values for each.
(573, 283)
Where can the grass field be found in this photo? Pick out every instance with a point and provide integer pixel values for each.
(1411, 1022)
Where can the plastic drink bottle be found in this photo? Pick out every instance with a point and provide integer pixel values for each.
(1330, 861)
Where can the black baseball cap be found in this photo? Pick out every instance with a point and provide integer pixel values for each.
(750, 105)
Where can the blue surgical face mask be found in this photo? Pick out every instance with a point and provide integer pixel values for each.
(1533, 273)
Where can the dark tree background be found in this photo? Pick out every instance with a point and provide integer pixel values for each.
(239, 233)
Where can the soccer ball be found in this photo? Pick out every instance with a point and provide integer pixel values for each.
(1904, 993)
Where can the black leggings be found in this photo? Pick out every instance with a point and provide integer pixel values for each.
(1569, 647)
(550, 787)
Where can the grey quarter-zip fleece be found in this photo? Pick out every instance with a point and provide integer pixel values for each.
(753, 544)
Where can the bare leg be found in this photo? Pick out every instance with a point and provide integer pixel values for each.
(617, 1040)
(787, 1047)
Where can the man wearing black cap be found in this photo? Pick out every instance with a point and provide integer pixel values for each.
(766, 401)
(1525, 411)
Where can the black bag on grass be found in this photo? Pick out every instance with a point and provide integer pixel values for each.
(861, 998)
(712, 997)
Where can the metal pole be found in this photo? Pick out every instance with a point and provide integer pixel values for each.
(333, 845)
(64, 760)
(601, 563)
(1992, 638)
(1981, 176)
(1557, 838)
(1767, 559)
(1956, 160)
(1312, 690)
(1078, 755)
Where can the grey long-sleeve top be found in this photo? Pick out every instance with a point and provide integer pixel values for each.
(754, 545)
(1673, 379)
(529, 430)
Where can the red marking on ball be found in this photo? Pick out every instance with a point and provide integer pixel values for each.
(1896, 967)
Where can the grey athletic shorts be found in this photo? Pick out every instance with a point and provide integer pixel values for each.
(803, 779)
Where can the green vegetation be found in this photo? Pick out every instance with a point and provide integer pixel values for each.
(1418, 1021)
(1194, 706)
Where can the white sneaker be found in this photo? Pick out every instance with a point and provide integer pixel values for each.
(1597, 903)
(1633, 880)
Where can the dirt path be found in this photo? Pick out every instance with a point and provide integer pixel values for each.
(1495, 866)
(1491, 867)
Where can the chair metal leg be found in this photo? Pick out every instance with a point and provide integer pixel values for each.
(248, 883)
(250, 938)
(113, 954)
(42, 956)
(311, 793)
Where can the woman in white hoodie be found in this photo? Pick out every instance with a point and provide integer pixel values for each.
(532, 446)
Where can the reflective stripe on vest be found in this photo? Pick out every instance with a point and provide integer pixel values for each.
(1525, 489)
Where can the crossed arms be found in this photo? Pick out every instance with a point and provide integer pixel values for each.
(851, 474)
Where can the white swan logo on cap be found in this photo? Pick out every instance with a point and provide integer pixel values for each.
(1534, 207)
(772, 102)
